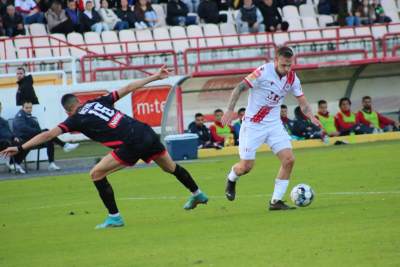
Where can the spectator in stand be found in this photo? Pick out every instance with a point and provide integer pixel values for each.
(380, 14)
(25, 90)
(177, 14)
(145, 16)
(249, 18)
(125, 13)
(192, 5)
(91, 20)
(327, 120)
(29, 11)
(7, 138)
(353, 17)
(272, 18)
(324, 7)
(44, 5)
(13, 22)
(370, 118)
(57, 19)
(74, 15)
(223, 5)
(346, 121)
(209, 12)
(26, 127)
(287, 123)
(198, 127)
(304, 128)
(294, 2)
(3, 6)
(110, 18)
(222, 135)
(366, 11)
(116, 4)
(238, 124)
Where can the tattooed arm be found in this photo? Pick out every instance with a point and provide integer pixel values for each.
(242, 86)
(306, 109)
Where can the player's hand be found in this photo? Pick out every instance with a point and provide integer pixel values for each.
(227, 118)
(163, 72)
(9, 152)
(316, 122)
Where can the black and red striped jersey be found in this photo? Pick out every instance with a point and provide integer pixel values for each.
(101, 122)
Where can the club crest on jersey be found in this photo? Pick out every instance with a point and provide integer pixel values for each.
(115, 120)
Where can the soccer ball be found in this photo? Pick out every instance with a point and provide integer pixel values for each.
(302, 195)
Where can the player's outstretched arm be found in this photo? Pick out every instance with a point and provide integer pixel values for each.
(228, 115)
(162, 73)
(306, 109)
(35, 141)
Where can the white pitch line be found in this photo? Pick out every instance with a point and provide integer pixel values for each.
(216, 197)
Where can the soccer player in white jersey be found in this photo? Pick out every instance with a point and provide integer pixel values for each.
(268, 85)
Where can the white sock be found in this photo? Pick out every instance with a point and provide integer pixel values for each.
(114, 215)
(198, 191)
(232, 176)
(280, 189)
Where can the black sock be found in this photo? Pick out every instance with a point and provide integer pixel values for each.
(185, 178)
(107, 195)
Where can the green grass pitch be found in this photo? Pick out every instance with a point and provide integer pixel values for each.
(354, 220)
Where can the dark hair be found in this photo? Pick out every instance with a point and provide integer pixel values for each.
(56, 2)
(198, 115)
(67, 100)
(26, 101)
(283, 106)
(344, 99)
(241, 110)
(366, 97)
(285, 51)
(322, 101)
(218, 110)
(139, 12)
(21, 68)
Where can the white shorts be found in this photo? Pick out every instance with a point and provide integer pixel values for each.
(252, 136)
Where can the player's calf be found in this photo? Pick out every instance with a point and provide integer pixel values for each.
(239, 169)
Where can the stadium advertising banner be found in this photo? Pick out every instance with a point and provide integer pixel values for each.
(148, 104)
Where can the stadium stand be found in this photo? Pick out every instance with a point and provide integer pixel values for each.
(308, 33)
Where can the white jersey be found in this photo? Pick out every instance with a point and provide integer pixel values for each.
(267, 93)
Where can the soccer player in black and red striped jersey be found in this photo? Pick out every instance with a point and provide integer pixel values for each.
(130, 139)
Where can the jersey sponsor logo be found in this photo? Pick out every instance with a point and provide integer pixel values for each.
(273, 98)
(115, 120)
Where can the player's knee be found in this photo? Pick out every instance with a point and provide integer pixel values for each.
(96, 174)
(168, 168)
(288, 161)
(245, 167)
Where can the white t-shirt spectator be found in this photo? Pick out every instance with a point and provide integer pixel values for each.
(25, 6)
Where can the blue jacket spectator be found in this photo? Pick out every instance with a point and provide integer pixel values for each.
(13, 22)
(177, 14)
(74, 15)
(26, 127)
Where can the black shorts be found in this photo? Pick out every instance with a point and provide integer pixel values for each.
(144, 144)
